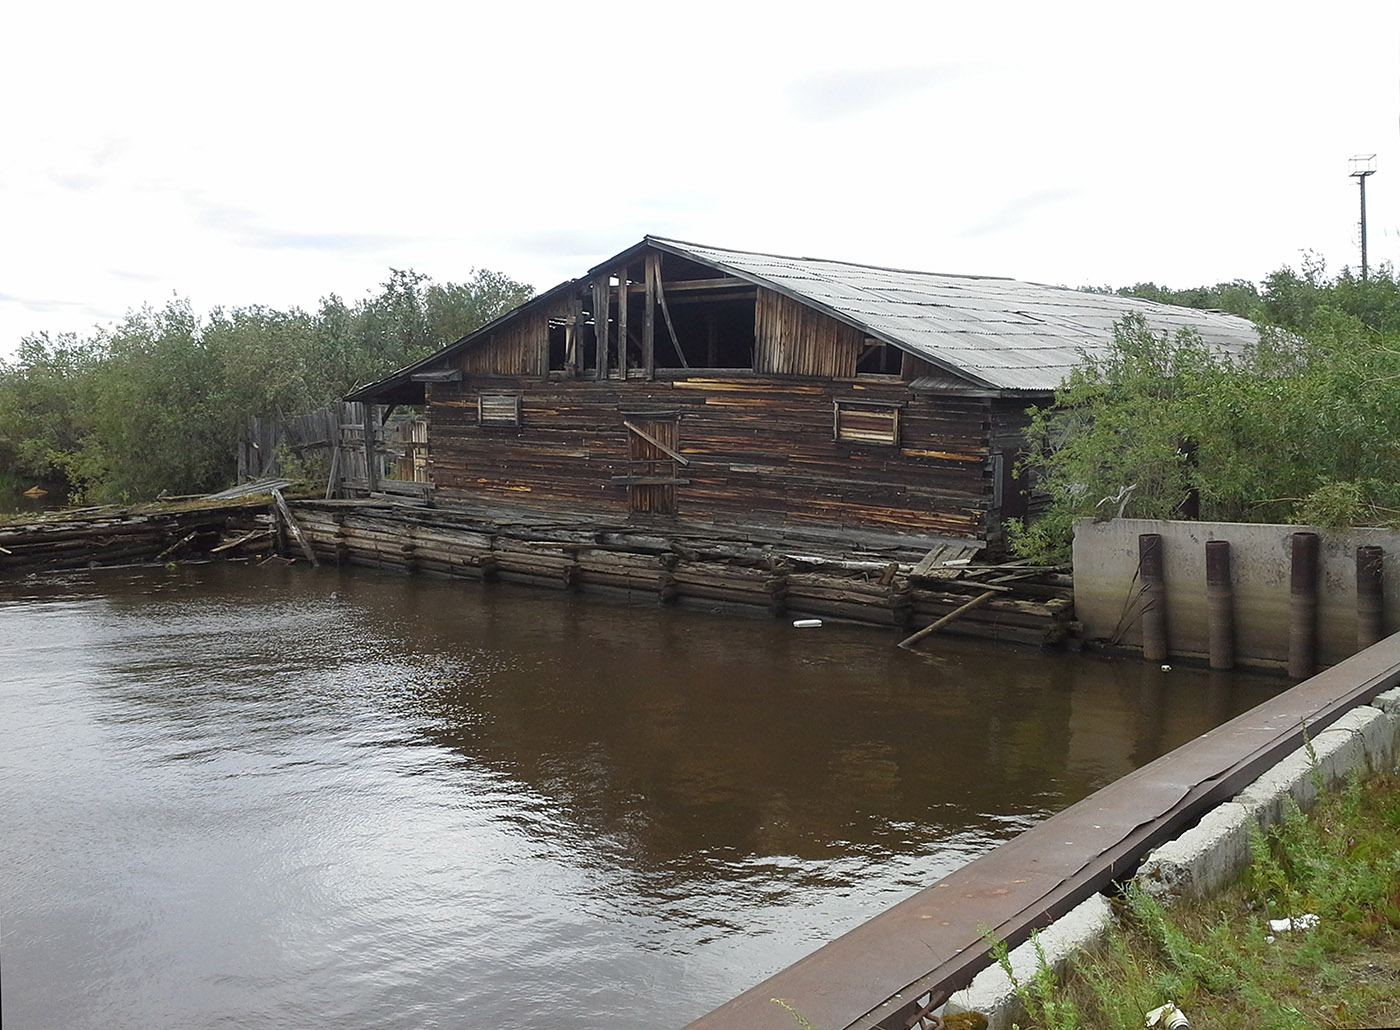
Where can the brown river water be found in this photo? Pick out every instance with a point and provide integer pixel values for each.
(281, 797)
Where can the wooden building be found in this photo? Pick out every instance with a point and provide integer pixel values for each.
(718, 388)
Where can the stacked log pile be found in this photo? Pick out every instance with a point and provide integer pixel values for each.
(891, 588)
(110, 536)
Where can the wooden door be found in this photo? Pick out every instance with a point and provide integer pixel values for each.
(652, 464)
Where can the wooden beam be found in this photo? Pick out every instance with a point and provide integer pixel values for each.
(649, 321)
(371, 474)
(292, 525)
(675, 456)
(622, 322)
(665, 311)
(573, 336)
(600, 324)
(976, 602)
(724, 283)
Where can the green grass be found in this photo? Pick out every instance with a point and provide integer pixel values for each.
(1217, 957)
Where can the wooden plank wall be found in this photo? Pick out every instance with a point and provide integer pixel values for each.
(520, 347)
(760, 450)
(792, 339)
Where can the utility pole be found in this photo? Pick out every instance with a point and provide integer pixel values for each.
(1363, 165)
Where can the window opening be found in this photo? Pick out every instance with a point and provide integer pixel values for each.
(879, 358)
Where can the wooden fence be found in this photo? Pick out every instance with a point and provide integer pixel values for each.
(334, 438)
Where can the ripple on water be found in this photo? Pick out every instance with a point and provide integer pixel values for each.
(244, 797)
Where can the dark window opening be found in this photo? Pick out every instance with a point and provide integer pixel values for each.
(558, 344)
(879, 358)
(713, 331)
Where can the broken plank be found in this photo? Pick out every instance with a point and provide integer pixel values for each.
(980, 599)
(292, 525)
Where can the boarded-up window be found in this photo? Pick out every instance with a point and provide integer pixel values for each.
(872, 422)
(653, 463)
(498, 409)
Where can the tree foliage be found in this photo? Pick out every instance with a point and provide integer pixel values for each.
(156, 403)
(1303, 428)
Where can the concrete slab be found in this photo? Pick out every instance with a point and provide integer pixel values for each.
(1389, 701)
(992, 994)
(1204, 858)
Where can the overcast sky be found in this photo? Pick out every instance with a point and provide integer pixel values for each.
(276, 153)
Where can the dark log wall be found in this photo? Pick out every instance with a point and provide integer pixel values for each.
(759, 449)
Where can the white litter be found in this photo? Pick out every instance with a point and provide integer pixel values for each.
(806, 623)
(1167, 1017)
(1304, 922)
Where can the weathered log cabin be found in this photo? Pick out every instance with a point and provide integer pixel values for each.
(711, 387)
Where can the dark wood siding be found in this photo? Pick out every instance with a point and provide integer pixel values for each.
(761, 449)
(518, 348)
(793, 339)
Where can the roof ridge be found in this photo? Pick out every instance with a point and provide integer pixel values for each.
(849, 264)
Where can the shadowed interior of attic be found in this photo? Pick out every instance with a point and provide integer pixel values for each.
(700, 321)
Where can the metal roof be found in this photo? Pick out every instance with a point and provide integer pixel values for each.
(994, 333)
(1000, 333)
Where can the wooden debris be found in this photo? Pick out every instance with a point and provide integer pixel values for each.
(177, 545)
(286, 513)
(976, 602)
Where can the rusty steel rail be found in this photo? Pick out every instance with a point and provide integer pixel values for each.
(881, 973)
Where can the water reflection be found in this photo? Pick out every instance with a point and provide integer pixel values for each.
(268, 796)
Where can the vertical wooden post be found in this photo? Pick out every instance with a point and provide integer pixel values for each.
(622, 322)
(1220, 605)
(1302, 607)
(711, 340)
(649, 319)
(371, 472)
(600, 323)
(1370, 595)
(574, 357)
(1154, 591)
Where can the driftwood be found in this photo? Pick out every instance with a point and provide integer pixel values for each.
(177, 545)
(976, 602)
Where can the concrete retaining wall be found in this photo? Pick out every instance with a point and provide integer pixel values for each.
(1209, 855)
(1108, 606)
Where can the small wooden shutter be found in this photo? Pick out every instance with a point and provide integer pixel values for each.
(867, 422)
(498, 409)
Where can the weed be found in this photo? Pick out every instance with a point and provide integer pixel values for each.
(1040, 995)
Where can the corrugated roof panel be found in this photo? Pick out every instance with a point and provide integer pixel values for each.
(1008, 334)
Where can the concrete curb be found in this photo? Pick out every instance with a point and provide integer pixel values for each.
(1207, 856)
(991, 993)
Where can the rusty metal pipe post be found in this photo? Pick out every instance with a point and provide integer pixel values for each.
(1302, 607)
(1370, 595)
(1220, 605)
(1154, 596)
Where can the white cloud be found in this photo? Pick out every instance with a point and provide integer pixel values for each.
(275, 153)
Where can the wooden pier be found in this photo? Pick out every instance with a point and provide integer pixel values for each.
(885, 580)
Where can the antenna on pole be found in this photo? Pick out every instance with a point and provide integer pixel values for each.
(1363, 165)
